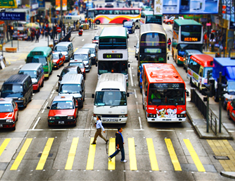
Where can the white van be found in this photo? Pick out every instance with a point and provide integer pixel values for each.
(72, 18)
(110, 98)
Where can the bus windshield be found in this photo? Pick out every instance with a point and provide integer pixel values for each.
(191, 33)
(154, 19)
(110, 98)
(70, 88)
(166, 94)
(112, 67)
(41, 60)
(112, 43)
(153, 47)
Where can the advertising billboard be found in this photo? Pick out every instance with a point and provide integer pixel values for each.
(64, 5)
(188, 6)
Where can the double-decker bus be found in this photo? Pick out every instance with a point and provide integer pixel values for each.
(113, 15)
(164, 93)
(152, 44)
(187, 34)
(113, 51)
(149, 17)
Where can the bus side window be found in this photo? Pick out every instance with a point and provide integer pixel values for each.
(201, 71)
(137, 12)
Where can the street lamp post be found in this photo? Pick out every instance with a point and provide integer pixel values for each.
(61, 18)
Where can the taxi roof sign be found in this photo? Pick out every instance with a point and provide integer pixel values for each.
(8, 4)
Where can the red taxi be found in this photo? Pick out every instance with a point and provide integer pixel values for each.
(8, 113)
(63, 111)
(95, 40)
(169, 21)
(58, 59)
(80, 64)
(231, 109)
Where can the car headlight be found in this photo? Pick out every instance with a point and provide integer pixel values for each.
(70, 117)
(21, 98)
(9, 120)
(51, 118)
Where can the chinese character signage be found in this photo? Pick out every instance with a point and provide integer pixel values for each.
(12, 16)
(8, 4)
(64, 5)
(186, 6)
(41, 3)
(157, 7)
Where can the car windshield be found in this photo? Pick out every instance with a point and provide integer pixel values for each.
(31, 73)
(41, 60)
(80, 56)
(110, 98)
(69, 71)
(6, 108)
(62, 105)
(80, 64)
(12, 88)
(128, 23)
(60, 49)
(70, 88)
(55, 56)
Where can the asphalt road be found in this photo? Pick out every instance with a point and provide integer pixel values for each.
(161, 151)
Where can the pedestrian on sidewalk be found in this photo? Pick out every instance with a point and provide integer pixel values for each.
(37, 35)
(169, 44)
(119, 146)
(99, 126)
(29, 34)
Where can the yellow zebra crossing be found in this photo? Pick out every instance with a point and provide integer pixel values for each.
(132, 161)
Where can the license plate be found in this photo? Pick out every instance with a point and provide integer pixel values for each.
(60, 122)
(1, 125)
(111, 120)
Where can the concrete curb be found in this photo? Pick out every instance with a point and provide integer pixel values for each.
(209, 135)
(228, 174)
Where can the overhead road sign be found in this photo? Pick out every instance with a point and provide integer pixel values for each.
(186, 7)
(12, 16)
(8, 4)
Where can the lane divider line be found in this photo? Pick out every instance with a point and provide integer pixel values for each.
(173, 155)
(152, 155)
(45, 154)
(91, 156)
(36, 123)
(194, 156)
(132, 154)
(140, 123)
(71, 155)
(21, 154)
(131, 77)
(112, 146)
(4, 145)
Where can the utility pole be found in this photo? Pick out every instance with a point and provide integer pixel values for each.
(61, 18)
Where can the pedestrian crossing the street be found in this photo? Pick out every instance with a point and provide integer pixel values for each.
(93, 153)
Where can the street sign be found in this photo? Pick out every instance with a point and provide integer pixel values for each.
(58, 29)
(8, 4)
(12, 16)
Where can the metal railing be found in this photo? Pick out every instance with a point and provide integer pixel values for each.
(201, 105)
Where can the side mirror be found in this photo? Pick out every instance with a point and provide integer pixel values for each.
(96, 64)
(48, 107)
(168, 58)
(92, 95)
(58, 75)
(57, 90)
(187, 93)
(145, 93)
(127, 94)
(135, 46)
(128, 65)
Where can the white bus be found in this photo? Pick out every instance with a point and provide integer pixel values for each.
(113, 51)
(110, 98)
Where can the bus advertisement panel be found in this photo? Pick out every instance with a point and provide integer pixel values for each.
(164, 93)
(187, 35)
(113, 15)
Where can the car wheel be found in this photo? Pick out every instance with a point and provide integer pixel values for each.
(228, 115)
(224, 106)
(81, 105)
(97, 22)
(191, 82)
(38, 89)
(42, 83)
(14, 128)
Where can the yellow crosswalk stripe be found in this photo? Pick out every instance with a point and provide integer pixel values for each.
(132, 154)
(75, 49)
(112, 148)
(72, 153)
(21, 154)
(4, 145)
(91, 156)
(194, 156)
(173, 155)
(45, 154)
(152, 155)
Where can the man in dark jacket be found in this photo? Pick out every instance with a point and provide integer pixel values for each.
(119, 146)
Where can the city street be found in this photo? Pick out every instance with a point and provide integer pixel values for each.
(154, 151)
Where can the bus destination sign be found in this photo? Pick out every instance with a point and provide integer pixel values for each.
(112, 55)
(190, 39)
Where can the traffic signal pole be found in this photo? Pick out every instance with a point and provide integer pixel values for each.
(220, 98)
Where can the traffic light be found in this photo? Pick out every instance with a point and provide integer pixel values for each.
(221, 88)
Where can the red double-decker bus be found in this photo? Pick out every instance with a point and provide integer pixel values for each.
(164, 93)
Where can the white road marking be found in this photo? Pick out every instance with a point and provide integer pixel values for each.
(131, 77)
(189, 130)
(52, 93)
(82, 39)
(36, 123)
(135, 93)
(138, 129)
(68, 129)
(165, 130)
(44, 107)
(138, 110)
(140, 123)
(20, 66)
